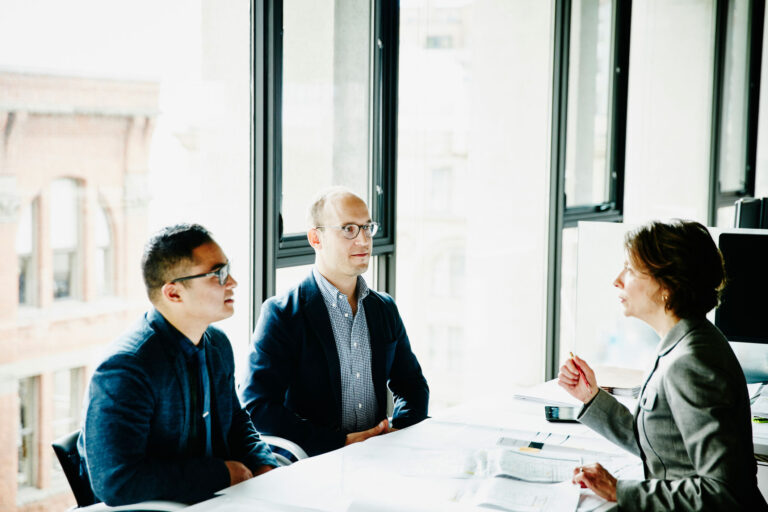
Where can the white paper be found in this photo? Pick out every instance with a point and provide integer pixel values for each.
(531, 467)
(517, 496)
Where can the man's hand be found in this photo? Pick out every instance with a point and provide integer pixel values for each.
(356, 437)
(262, 469)
(238, 472)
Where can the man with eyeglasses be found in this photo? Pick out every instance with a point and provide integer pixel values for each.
(325, 352)
(163, 421)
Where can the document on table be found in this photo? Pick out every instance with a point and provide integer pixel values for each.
(530, 467)
(517, 496)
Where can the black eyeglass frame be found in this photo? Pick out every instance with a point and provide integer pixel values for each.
(222, 273)
(370, 229)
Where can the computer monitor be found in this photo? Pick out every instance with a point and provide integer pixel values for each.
(743, 312)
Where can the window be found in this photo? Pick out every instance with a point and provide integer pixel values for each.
(468, 124)
(65, 220)
(103, 263)
(587, 172)
(589, 129)
(28, 432)
(25, 251)
(326, 119)
(326, 102)
(117, 120)
(67, 404)
(739, 84)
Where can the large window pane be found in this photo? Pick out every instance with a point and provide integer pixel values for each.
(587, 172)
(327, 48)
(117, 119)
(733, 129)
(472, 191)
(669, 110)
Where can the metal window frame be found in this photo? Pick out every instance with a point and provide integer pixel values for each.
(271, 249)
(717, 197)
(560, 216)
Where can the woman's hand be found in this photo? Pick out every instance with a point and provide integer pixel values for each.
(595, 477)
(578, 379)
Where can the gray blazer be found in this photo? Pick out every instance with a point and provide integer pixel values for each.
(691, 427)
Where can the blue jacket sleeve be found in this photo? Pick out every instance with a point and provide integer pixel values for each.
(116, 428)
(270, 366)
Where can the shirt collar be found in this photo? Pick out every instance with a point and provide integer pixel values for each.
(677, 333)
(330, 293)
(159, 322)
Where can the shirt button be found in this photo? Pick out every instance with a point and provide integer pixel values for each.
(359, 406)
(346, 315)
(354, 344)
(357, 375)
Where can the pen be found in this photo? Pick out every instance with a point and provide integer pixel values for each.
(759, 419)
(581, 372)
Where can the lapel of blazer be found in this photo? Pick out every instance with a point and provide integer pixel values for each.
(375, 320)
(319, 327)
(219, 385)
(179, 367)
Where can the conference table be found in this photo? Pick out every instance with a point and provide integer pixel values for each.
(444, 463)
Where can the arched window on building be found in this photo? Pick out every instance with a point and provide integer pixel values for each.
(103, 263)
(26, 252)
(65, 238)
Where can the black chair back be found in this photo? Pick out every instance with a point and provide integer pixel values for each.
(69, 458)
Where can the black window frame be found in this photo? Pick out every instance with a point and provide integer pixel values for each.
(560, 216)
(719, 198)
(272, 249)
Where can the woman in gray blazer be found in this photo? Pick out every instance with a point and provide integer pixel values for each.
(691, 427)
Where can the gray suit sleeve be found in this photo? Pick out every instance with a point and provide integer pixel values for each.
(699, 402)
(610, 418)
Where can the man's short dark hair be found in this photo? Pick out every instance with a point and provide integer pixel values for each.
(168, 248)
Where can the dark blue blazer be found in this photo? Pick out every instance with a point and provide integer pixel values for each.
(137, 423)
(292, 388)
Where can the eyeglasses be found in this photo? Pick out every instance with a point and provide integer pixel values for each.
(222, 273)
(350, 231)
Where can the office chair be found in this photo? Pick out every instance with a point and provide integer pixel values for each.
(286, 452)
(66, 451)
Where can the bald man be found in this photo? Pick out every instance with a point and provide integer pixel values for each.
(324, 353)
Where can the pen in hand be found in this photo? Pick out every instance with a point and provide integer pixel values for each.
(581, 373)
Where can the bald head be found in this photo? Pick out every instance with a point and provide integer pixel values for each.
(326, 201)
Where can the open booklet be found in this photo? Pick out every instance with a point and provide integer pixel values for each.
(529, 467)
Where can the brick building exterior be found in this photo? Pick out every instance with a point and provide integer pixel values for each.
(74, 155)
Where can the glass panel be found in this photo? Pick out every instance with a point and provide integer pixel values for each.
(121, 119)
(733, 130)
(63, 265)
(25, 250)
(587, 175)
(568, 282)
(65, 214)
(67, 397)
(669, 110)
(472, 192)
(326, 102)
(102, 263)
(27, 441)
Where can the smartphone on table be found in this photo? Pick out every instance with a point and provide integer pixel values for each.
(560, 414)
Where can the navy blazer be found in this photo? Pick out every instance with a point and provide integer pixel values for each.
(292, 388)
(137, 421)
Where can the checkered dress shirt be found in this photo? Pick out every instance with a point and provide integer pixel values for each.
(353, 343)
